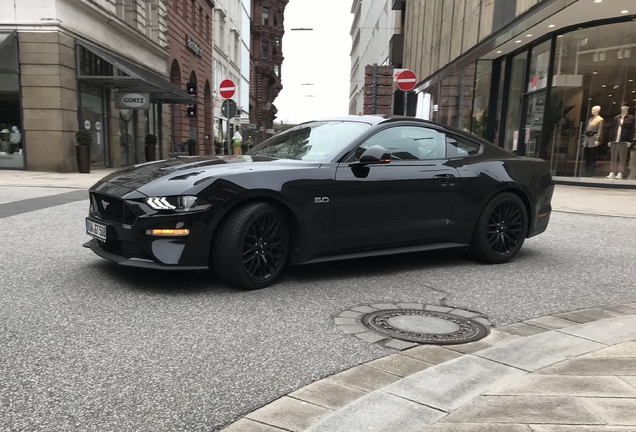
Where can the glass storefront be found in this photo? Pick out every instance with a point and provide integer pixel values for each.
(483, 81)
(515, 101)
(594, 67)
(546, 96)
(12, 150)
(93, 116)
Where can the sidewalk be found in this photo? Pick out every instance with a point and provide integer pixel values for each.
(570, 372)
(572, 199)
(52, 179)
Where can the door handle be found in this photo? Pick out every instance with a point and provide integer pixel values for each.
(443, 178)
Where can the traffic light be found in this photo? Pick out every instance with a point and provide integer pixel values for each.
(191, 88)
(192, 111)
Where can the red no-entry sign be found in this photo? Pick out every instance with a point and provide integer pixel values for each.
(406, 80)
(227, 89)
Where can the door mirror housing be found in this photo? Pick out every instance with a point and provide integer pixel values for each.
(375, 155)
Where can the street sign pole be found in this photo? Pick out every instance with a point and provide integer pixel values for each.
(227, 110)
(406, 94)
(227, 88)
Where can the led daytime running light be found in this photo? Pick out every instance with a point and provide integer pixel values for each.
(168, 232)
(179, 204)
(160, 204)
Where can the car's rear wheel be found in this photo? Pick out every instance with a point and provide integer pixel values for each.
(252, 247)
(501, 229)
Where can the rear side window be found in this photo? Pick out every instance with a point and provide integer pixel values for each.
(461, 147)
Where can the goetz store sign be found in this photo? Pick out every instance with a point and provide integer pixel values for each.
(133, 101)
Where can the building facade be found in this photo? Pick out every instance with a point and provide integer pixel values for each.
(231, 50)
(267, 59)
(375, 38)
(68, 65)
(190, 47)
(529, 75)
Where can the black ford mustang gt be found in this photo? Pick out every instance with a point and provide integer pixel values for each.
(324, 190)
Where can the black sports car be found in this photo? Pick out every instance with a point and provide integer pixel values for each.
(341, 188)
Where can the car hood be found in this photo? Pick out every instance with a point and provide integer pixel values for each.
(178, 175)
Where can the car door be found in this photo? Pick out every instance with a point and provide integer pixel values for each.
(406, 201)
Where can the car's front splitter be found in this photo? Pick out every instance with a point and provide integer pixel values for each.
(137, 262)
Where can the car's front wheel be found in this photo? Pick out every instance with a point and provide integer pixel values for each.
(500, 230)
(252, 247)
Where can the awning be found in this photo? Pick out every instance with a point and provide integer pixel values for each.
(8, 52)
(134, 78)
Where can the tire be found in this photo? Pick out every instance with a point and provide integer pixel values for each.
(248, 266)
(494, 240)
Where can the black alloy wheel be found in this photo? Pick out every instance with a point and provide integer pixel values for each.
(251, 248)
(264, 247)
(505, 226)
(501, 229)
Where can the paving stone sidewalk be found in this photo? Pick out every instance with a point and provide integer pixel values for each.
(567, 372)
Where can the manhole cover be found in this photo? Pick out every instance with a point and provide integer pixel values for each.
(426, 327)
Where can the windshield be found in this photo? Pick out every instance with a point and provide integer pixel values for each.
(315, 141)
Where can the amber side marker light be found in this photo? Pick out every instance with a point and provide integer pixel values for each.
(542, 215)
(168, 232)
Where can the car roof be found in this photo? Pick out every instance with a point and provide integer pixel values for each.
(376, 119)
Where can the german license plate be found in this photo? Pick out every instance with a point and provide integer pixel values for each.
(96, 230)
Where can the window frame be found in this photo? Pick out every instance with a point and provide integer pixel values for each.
(351, 157)
(265, 16)
(264, 45)
(451, 150)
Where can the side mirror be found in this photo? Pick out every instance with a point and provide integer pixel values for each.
(375, 155)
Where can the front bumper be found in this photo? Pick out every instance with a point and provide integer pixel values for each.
(136, 262)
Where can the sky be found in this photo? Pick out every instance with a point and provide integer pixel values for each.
(319, 57)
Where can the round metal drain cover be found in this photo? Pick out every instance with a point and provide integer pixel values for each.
(423, 326)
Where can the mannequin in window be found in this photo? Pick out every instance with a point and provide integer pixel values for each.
(621, 137)
(592, 139)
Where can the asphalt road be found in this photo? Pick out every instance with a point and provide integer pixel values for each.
(88, 346)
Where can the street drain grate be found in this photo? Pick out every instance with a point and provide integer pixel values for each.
(424, 327)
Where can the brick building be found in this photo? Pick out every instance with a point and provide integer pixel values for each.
(267, 58)
(190, 47)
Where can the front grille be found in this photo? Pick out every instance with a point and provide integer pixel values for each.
(112, 209)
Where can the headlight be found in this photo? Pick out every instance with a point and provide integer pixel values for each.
(178, 204)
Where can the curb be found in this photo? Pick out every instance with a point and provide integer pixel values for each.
(402, 382)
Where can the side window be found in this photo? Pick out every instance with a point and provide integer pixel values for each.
(461, 147)
(408, 143)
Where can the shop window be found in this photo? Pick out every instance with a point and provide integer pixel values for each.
(11, 136)
(12, 148)
(515, 100)
(265, 16)
(92, 65)
(428, 104)
(483, 81)
(594, 67)
(264, 50)
(500, 90)
(455, 106)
